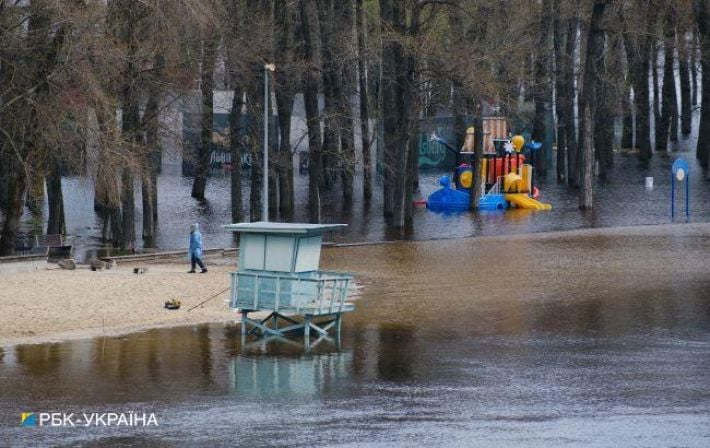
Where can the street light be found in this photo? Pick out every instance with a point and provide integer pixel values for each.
(265, 187)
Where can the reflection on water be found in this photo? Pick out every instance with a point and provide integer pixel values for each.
(282, 376)
(562, 340)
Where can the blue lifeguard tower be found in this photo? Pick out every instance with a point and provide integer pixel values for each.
(278, 274)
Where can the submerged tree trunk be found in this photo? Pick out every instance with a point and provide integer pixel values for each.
(16, 190)
(703, 18)
(343, 21)
(129, 131)
(667, 97)
(686, 109)
(130, 126)
(627, 108)
(400, 110)
(310, 96)
(542, 92)
(605, 109)
(332, 92)
(55, 198)
(361, 28)
(694, 67)
(255, 108)
(569, 81)
(562, 94)
(207, 88)
(637, 48)
(589, 101)
(149, 170)
(285, 89)
(656, 105)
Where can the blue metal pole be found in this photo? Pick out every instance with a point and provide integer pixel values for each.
(687, 198)
(672, 196)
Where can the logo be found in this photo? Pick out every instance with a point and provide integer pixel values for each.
(28, 419)
(64, 419)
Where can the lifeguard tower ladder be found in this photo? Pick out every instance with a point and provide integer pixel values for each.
(278, 273)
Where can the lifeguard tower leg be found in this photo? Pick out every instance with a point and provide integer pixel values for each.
(244, 322)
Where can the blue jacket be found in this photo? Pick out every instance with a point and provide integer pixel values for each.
(195, 243)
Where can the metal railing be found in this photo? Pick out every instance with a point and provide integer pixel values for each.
(318, 292)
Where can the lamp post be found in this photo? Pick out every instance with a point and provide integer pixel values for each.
(265, 187)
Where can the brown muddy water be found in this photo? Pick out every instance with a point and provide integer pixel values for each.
(574, 339)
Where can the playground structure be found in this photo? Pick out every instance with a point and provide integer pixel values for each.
(506, 180)
(278, 274)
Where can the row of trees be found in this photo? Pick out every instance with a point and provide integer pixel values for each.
(84, 85)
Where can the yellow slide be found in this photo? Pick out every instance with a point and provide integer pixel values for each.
(522, 200)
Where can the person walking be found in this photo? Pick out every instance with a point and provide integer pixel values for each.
(195, 252)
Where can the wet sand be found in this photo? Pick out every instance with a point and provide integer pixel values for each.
(55, 305)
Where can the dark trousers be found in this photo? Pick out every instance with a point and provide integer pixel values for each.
(198, 261)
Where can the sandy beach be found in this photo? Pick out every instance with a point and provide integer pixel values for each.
(54, 305)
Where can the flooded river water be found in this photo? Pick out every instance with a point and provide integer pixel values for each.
(621, 200)
(561, 339)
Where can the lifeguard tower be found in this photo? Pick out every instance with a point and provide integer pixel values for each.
(278, 274)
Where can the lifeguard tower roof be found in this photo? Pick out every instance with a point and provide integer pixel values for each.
(283, 228)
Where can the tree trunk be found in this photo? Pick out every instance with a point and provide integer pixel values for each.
(284, 88)
(149, 174)
(562, 95)
(399, 108)
(694, 67)
(637, 48)
(255, 108)
(128, 210)
(35, 192)
(130, 126)
(656, 105)
(569, 124)
(332, 92)
(675, 119)
(390, 65)
(686, 109)
(589, 101)
(4, 171)
(627, 133)
(148, 212)
(361, 28)
(345, 45)
(55, 199)
(703, 18)
(16, 189)
(667, 97)
(129, 131)
(542, 93)
(605, 109)
(310, 96)
(207, 88)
